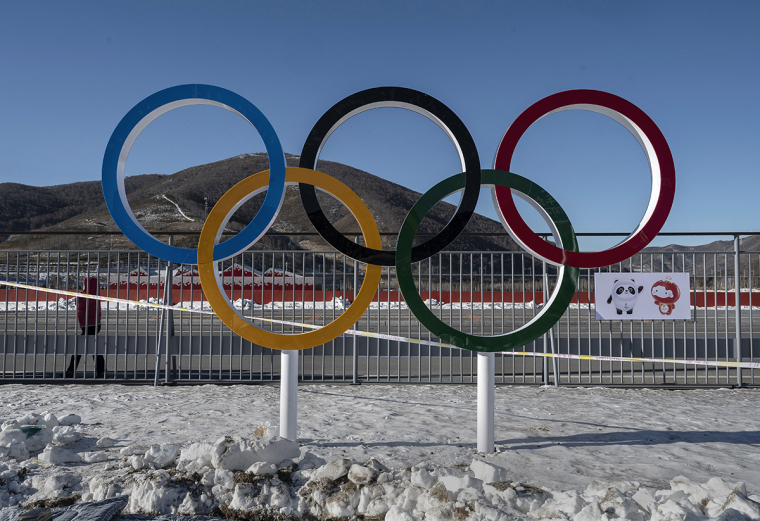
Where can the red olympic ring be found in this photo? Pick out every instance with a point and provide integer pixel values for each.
(660, 163)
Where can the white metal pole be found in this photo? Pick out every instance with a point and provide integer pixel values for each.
(160, 337)
(288, 394)
(738, 298)
(355, 355)
(555, 362)
(486, 396)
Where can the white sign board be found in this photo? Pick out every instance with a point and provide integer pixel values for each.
(637, 296)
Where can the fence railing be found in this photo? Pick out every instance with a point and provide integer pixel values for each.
(484, 293)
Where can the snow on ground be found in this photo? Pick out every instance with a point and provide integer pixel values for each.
(337, 304)
(401, 452)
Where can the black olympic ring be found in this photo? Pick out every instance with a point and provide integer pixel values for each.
(415, 101)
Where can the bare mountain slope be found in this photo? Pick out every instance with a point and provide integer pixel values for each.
(24, 207)
(156, 199)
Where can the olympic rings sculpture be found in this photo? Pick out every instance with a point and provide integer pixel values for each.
(563, 253)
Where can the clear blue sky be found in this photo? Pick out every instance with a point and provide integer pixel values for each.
(71, 70)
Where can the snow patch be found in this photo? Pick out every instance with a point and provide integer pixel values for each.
(178, 208)
(265, 476)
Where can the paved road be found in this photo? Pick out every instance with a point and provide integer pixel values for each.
(337, 368)
(394, 322)
(329, 363)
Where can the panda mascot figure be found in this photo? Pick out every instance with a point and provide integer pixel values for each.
(624, 295)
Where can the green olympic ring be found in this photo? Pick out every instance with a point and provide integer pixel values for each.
(541, 323)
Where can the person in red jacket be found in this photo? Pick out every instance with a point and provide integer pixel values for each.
(88, 316)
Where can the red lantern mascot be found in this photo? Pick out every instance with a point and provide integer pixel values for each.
(665, 294)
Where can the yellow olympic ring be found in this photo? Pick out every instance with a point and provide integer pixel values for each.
(212, 283)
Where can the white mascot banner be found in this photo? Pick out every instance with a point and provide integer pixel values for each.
(642, 296)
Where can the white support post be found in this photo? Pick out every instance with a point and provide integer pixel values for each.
(738, 300)
(486, 396)
(288, 394)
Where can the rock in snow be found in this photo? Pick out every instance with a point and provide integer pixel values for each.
(30, 419)
(198, 454)
(18, 451)
(94, 457)
(333, 470)
(11, 435)
(65, 435)
(127, 451)
(360, 475)
(104, 443)
(39, 440)
(136, 462)
(487, 472)
(263, 468)
(57, 455)
(163, 454)
(70, 419)
(235, 453)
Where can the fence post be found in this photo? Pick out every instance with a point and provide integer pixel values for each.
(167, 318)
(169, 301)
(160, 341)
(555, 362)
(355, 357)
(738, 317)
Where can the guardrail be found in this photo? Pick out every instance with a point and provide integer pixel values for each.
(483, 293)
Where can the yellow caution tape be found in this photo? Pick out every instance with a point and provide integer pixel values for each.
(353, 332)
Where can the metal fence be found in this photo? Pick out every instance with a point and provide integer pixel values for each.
(484, 293)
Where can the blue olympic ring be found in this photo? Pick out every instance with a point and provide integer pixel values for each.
(124, 136)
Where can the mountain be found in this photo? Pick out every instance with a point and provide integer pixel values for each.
(751, 243)
(25, 207)
(175, 203)
(706, 261)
